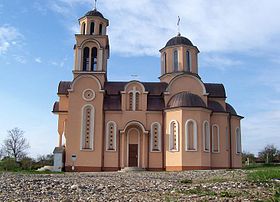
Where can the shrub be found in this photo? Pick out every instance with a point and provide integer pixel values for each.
(9, 164)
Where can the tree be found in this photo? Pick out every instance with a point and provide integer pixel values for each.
(15, 145)
(269, 154)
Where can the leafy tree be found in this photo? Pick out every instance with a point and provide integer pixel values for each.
(15, 145)
(269, 154)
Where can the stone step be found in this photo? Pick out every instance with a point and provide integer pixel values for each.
(132, 169)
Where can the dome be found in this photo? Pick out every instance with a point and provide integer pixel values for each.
(230, 109)
(215, 106)
(94, 13)
(185, 99)
(179, 40)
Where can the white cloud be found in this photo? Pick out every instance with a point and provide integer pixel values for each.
(143, 27)
(60, 63)
(8, 36)
(220, 62)
(20, 59)
(38, 60)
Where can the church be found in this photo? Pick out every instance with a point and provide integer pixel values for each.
(179, 123)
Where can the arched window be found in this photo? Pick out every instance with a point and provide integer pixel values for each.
(174, 136)
(86, 59)
(175, 61)
(130, 97)
(87, 136)
(100, 29)
(111, 136)
(94, 59)
(155, 141)
(206, 136)
(163, 63)
(92, 28)
(84, 28)
(137, 101)
(191, 136)
(215, 139)
(238, 140)
(188, 61)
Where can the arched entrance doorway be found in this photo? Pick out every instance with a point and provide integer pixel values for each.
(134, 142)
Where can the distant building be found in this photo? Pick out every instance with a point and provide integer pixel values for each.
(179, 123)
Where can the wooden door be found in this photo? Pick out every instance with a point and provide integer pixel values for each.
(133, 155)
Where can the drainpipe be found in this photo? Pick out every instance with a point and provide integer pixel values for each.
(230, 146)
(163, 140)
(103, 137)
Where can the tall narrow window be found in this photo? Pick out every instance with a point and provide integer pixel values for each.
(215, 139)
(130, 97)
(100, 29)
(155, 141)
(137, 101)
(94, 59)
(188, 61)
(86, 59)
(174, 136)
(175, 61)
(87, 127)
(163, 63)
(111, 135)
(191, 136)
(92, 28)
(206, 136)
(238, 140)
(84, 28)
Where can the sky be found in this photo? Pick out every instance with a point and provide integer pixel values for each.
(238, 42)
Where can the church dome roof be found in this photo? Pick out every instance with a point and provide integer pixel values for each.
(185, 99)
(94, 13)
(179, 40)
(215, 106)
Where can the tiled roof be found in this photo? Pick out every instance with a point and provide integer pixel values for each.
(230, 109)
(55, 107)
(215, 90)
(63, 87)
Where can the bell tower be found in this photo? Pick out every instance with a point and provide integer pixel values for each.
(92, 46)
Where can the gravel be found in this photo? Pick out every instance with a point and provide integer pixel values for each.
(214, 185)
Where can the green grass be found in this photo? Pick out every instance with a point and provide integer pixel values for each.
(229, 194)
(263, 174)
(261, 166)
(200, 191)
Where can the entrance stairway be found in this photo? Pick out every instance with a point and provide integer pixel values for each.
(132, 169)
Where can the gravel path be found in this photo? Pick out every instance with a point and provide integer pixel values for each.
(219, 185)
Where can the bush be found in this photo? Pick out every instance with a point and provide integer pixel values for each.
(9, 164)
(26, 163)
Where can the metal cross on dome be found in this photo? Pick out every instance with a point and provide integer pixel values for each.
(178, 25)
